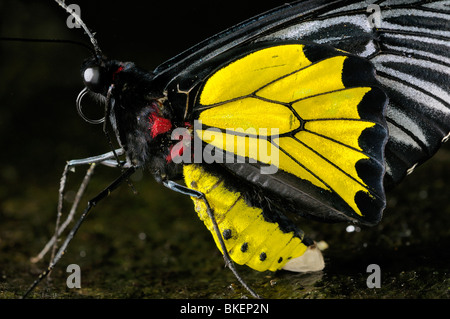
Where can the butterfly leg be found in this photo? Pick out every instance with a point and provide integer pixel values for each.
(107, 159)
(91, 203)
(228, 262)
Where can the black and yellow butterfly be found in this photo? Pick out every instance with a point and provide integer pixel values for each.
(346, 105)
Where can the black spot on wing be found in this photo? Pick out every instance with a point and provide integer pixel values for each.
(263, 256)
(358, 72)
(371, 206)
(227, 234)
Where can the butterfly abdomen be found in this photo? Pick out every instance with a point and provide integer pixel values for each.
(250, 238)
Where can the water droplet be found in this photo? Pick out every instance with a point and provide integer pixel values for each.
(142, 236)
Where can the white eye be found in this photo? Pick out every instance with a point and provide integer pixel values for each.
(91, 75)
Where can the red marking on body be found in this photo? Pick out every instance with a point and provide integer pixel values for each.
(159, 125)
(120, 69)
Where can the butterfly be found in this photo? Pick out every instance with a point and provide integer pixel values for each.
(312, 109)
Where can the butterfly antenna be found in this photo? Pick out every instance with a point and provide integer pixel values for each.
(77, 18)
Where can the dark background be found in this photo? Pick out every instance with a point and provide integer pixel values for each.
(152, 245)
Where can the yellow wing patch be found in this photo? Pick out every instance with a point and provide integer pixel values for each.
(347, 132)
(246, 75)
(249, 146)
(334, 169)
(249, 239)
(316, 79)
(334, 105)
(317, 116)
(241, 114)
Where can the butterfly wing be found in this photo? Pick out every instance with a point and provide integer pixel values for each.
(328, 117)
(328, 114)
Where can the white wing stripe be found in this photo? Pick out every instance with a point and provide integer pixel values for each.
(419, 52)
(402, 119)
(400, 137)
(417, 14)
(433, 105)
(414, 38)
(429, 86)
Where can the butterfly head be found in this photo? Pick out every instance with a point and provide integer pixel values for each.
(99, 73)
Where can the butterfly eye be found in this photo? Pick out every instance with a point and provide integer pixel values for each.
(92, 78)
